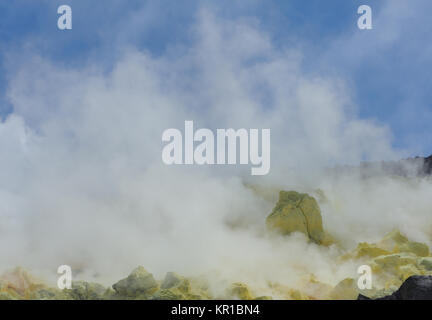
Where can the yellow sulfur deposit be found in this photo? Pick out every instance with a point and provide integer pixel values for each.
(365, 249)
(397, 242)
(138, 283)
(297, 212)
(345, 290)
(176, 287)
(239, 291)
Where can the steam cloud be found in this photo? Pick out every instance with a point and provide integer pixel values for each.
(82, 181)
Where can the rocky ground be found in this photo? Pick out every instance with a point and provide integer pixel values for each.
(414, 288)
(393, 260)
(410, 167)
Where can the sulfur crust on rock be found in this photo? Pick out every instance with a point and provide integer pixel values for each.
(395, 241)
(298, 212)
(239, 291)
(176, 287)
(345, 290)
(139, 284)
(82, 290)
(365, 249)
(425, 263)
(315, 289)
(393, 260)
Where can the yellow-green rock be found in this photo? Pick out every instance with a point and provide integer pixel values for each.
(426, 263)
(239, 291)
(365, 249)
(168, 294)
(395, 241)
(316, 290)
(42, 292)
(264, 298)
(172, 279)
(418, 248)
(391, 261)
(138, 284)
(82, 290)
(176, 287)
(345, 290)
(297, 295)
(407, 271)
(297, 212)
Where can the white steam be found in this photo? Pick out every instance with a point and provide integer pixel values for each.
(82, 181)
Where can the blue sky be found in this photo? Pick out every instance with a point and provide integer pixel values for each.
(388, 68)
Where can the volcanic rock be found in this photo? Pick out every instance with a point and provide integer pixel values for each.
(175, 287)
(82, 290)
(239, 291)
(397, 242)
(138, 283)
(297, 212)
(345, 290)
(414, 288)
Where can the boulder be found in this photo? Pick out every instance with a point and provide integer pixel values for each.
(172, 279)
(139, 283)
(82, 290)
(297, 212)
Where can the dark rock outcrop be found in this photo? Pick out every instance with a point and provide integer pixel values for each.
(427, 165)
(410, 167)
(414, 288)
